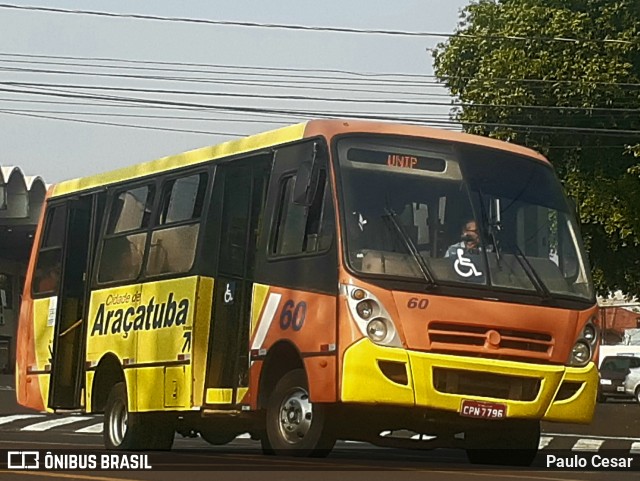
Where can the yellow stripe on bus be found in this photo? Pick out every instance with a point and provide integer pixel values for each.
(242, 392)
(219, 396)
(259, 295)
(234, 147)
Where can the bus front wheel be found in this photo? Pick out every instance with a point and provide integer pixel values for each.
(124, 430)
(294, 425)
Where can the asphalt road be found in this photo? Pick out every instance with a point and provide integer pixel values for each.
(616, 427)
(240, 460)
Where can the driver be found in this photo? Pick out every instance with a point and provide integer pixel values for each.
(470, 240)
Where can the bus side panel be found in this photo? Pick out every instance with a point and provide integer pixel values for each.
(200, 338)
(164, 350)
(106, 336)
(149, 328)
(308, 321)
(259, 298)
(29, 387)
(33, 358)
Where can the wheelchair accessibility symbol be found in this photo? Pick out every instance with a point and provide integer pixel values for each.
(229, 292)
(464, 266)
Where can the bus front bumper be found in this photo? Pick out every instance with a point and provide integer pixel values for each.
(397, 377)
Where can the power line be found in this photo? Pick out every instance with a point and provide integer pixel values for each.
(290, 97)
(273, 84)
(306, 27)
(418, 117)
(205, 65)
(522, 127)
(226, 94)
(525, 127)
(114, 124)
(261, 71)
(141, 116)
(111, 124)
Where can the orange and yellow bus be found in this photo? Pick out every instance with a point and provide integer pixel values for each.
(330, 280)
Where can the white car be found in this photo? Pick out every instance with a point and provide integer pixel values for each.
(632, 383)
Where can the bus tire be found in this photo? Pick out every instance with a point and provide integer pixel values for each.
(124, 430)
(512, 443)
(294, 425)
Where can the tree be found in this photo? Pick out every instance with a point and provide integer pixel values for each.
(562, 77)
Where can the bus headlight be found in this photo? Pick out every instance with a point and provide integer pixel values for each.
(585, 346)
(580, 354)
(377, 330)
(589, 333)
(365, 309)
(371, 317)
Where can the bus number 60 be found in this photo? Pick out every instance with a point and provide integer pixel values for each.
(415, 303)
(293, 317)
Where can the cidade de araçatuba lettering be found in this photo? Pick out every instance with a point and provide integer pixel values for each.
(154, 315)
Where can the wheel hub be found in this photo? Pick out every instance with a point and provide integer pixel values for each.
(296, 413)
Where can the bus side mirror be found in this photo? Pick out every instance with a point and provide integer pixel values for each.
(306, 184)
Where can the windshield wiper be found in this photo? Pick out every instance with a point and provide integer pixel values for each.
(534, 277)
(408, 243)
(493, 226)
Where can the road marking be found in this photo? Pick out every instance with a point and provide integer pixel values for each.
(68, 476)
(587, 444)
(54, 423)
(18, 417)
(39, 443)
(587, 436)
(583, 443)
(544, 441)
(93, 429)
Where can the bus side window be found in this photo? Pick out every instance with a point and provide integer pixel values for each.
(121, 258)
(174, 238)
(47, 272)
(124, 244)
(299, 229)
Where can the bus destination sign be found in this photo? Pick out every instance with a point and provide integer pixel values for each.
(396, 160)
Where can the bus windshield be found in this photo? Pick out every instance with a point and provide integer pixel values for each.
(459, 214)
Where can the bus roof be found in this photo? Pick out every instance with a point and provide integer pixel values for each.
(328, 128)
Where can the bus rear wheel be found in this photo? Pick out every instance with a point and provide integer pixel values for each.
(513, 443)
(124, 430)
(294, 425)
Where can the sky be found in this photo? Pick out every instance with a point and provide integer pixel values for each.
(82, 94)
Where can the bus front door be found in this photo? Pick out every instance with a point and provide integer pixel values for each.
(240, 190)
(66, 383)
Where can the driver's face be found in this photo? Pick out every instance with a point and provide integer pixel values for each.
(470, 232)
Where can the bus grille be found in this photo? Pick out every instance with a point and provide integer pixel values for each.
(446, 335)
(499, 386)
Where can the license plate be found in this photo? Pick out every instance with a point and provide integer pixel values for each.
(484, 410)
(605, 382)
(620, 388)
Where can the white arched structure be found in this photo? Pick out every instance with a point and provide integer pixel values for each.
(21, 197)
(21, 201)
